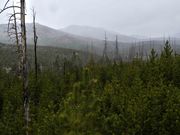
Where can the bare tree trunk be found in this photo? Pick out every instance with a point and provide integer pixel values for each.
(117, 57)
(35, 44)
(105, 56)
(25, 70)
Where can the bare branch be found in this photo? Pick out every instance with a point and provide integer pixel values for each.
(10, 18)
(4, 9)
(6, 4)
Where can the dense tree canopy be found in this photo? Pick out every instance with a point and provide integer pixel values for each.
(141, 97)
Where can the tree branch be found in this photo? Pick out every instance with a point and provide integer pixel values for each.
(6, 4)
(6, 8)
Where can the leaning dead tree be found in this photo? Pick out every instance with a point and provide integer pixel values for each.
(23, 46)
(15, 34)
(12, 27)
(35, 44)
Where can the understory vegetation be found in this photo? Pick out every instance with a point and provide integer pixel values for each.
(141, 97)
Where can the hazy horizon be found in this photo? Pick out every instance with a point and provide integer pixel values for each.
(130, 17)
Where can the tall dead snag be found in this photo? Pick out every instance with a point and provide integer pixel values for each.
(105, 56)
(132, 52)
(25, 66)
(91, 58)
(117, 48)
(117, 57)
(35, 44)
(17, 35)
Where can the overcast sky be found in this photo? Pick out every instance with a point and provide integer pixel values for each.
(130, 17)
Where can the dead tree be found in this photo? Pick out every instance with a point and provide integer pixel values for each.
(87, 53)
(105, 56)
(132, 53)
(12, 27)
(25, 66)
(142, 51)
(13, 18)
(91, 60)
(117, 57)
(35, 44)
(23, 45)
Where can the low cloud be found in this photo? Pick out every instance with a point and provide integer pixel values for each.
(143, 17)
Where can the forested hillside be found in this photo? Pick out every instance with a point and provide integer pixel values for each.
(138, 97)
(47, 56)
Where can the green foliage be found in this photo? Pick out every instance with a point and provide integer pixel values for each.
(167, 62)
(129, 98)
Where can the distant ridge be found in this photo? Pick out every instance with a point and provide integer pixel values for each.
(97, 33)
(51, 37)
(81, 37)
(58, 38)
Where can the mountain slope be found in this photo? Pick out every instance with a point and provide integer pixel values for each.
(51, 37)
(46, 55)
(59, 38)
(97, 33)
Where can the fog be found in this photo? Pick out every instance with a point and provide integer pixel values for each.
(130, 17)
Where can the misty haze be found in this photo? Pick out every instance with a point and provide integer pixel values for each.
(89, 67)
